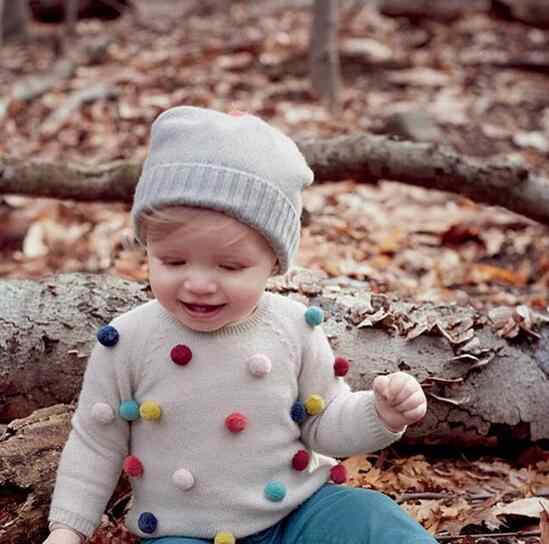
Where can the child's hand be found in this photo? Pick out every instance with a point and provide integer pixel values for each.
(63, 536)
(399, 399)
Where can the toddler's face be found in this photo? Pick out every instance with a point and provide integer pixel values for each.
(209, 272)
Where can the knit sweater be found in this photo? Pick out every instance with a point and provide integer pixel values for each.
(219, 432)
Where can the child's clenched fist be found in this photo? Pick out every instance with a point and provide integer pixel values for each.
(399, 399)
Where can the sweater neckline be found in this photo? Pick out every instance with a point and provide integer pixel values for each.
(228, 330)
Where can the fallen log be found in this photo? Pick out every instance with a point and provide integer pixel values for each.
(29, 454)
(365, 158)
(483, 386)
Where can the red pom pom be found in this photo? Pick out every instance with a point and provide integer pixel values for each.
(341, 366)
(181, 354)
(338, 474)
(236, 422)
(301, 460)
(132, 466)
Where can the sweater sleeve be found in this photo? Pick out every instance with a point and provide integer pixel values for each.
(92, 458)
(348, 424)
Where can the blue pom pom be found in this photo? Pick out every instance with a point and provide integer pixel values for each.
(298, 412)
(108, 336)
(275, 491)
(129, 410)
(147, 522)
(314, 316)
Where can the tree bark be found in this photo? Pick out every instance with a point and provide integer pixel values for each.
(71, 16)
(493, 390)
(29, 454)
(443, 10)
(363, 157)
(324, 54)
(47, 330)
(13, 19)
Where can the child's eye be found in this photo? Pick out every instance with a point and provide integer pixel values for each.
(232, 267)
(174, 263)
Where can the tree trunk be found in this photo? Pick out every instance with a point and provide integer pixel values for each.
(71, 16)
(13, 19)
(323, 52)
(494, 388)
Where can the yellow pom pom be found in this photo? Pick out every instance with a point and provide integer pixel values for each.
(224, 538)
(149, 409)
(314, 405)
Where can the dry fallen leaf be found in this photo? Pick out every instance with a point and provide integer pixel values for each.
(530, 507)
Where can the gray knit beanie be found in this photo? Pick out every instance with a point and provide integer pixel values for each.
(233, 163)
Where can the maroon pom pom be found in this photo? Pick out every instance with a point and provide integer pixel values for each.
(132, 466)
(338, 474)
(181, 354)
(301, 460)
(236, 422)
(341, 366)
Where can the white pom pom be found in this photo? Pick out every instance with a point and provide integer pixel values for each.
(260, 365)
(102, 412)
(183, 479)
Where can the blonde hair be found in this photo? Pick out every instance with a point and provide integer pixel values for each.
(160, 222)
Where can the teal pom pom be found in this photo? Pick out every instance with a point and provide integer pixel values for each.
(129, 410)
(275, 491)
(314, 316)
(108, 336)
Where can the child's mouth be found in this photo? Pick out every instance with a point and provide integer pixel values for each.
(202, 309)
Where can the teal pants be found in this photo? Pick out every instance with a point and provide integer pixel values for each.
(335, 515)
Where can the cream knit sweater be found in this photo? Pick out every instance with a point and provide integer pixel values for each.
(209, 432)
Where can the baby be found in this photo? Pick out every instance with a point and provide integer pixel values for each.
(223, 403)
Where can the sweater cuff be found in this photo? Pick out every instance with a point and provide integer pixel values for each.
(381, 435)
(72, 521)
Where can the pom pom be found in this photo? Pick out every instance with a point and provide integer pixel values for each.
(314, 405)
(150, 410)
(298, 412)
(338, 474)
(102, 412)
(260, 365)
(183, 479)
(132, 466)
(301, 460)
(108, 336)
(341, 366)
(275, 491)
(181, 354)
(236, 422)
(314, 316)
(129, 410)
(224, 538)
(147, 522)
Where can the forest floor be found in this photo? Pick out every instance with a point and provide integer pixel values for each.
(482, 81)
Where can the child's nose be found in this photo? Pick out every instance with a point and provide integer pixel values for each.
(201, 286)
